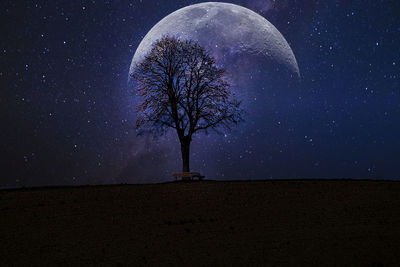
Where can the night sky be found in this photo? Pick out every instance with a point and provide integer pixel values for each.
(67, 112)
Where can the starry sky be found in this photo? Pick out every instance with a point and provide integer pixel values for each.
(67, 112)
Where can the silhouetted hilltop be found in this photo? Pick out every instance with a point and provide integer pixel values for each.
(290, 222)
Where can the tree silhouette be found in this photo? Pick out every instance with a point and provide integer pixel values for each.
(182, 88)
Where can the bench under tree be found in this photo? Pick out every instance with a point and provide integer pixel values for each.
(187, 175)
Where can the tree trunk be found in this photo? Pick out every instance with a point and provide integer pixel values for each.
(185, 149)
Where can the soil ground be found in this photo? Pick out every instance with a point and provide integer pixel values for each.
(207, 223)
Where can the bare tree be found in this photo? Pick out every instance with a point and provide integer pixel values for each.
(182, 88)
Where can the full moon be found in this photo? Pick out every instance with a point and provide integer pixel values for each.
(226, 30)
(260, 66)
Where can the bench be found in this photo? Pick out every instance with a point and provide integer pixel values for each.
(187, 175)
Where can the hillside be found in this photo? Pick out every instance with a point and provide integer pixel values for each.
(312, 222)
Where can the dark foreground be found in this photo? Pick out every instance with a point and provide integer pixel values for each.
(323, 223)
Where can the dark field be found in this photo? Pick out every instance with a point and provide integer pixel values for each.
(323, 223)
